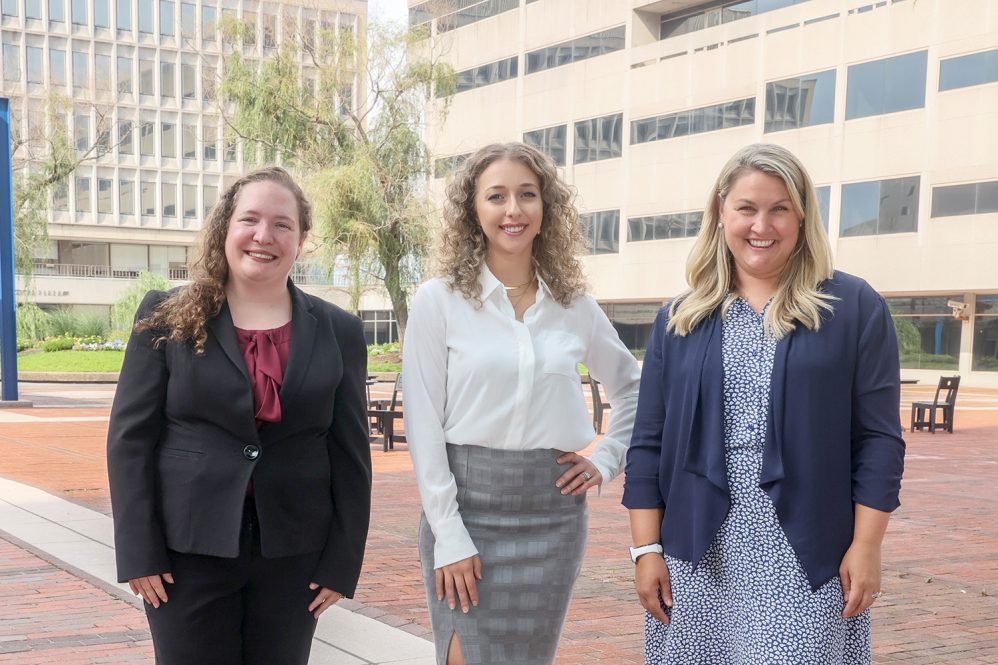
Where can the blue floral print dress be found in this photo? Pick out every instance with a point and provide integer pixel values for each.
(749, 601)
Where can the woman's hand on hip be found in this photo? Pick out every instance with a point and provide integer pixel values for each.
(859, 574)
(151, 588)
(651, 580)
(458, 581)
(325, 599)
(581, 477)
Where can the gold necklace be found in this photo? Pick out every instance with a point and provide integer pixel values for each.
(523, 295)
(519, 286)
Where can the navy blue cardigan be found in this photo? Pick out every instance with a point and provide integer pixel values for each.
(833, 437)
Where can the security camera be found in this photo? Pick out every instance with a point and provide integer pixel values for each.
(959, 308)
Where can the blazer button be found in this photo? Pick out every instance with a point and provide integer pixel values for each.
(251, 452)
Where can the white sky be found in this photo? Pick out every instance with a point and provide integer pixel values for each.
(387, 10)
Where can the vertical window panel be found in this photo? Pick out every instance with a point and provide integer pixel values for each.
(167, 75)
(57, 66)
(105, 196)
(169, 190)
(79, 11)
(83, 203)
(188, 80)
(169, 140)
(145, 14)
(125, 74)
(209, 22)
(33, 9)
(102, 72)
(190, 200)
(125, 137)
(126, 197)
(81, 75)
(166, 18)
(57, 11)
(102, 14)
(190, 141)
(34, 62)
(188, 20)
(147, 77)
(210, 139)
(123, 14)
(148, 195)
(147, 139)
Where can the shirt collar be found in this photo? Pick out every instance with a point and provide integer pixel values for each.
(490, 284)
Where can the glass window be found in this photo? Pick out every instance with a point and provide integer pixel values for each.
(80, 75)
(188, 20)
(57, 65)
(633, 322)
(986, 334)
(972, 199)
(575, 50)
(464, 16)
(105, 197)
(81, 131)
(145, 16)
(147, 77)
(147, 139)
(886, 86)
(308, 34)
(210, 140)
(125, 74)
(79, 11)
(169, 145)
(57, 11)
(230, 154)
(880, 207)
(103, 137)
(33, 9)
(190, 193)
(83, 194)
(126, 197)
(800, 102)
(188, 80)
(190, 141)
(598, 138)
(494, 72)
(12, 62)
(166, 9)
(128, 260)
(967, 70)
(601, 231)
(249, 24)
(34, 62)
(269, 31)
(102, 72)
(551, 141)
(928, 335)
(169, 199)
(102, 15)
(824, 200)
(125, 137)
(208, 74)
(148, 195)
(60, 195)
(123, 14)
(705, 119)
(209, 19)
(209, 195)
(167, 72)
(663, 227)
(446, 165)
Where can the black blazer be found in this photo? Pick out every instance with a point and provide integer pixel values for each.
(183, 444)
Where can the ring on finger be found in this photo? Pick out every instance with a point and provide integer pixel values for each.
(587, 476)
(876, 594)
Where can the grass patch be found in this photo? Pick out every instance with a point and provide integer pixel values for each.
(71, 361)
(383, 367)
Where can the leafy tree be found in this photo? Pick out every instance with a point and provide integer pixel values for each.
(362, 161)
(123, 311)
(42, 161)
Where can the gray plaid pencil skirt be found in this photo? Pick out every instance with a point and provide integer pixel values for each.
(531, 540)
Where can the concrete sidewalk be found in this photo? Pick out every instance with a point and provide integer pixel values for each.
(940, 579)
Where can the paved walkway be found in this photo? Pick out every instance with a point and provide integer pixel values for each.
(940, 601)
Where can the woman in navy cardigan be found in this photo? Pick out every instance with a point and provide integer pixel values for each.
(767, 452)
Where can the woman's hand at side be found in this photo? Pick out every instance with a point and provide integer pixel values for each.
(325, 599)
(859, 573)
(458, 581)
(574, 480)
(651, 580)
(151, 588)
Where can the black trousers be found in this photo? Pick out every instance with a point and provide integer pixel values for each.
(243, 611)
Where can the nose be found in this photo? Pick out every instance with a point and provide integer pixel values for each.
(263, 234)
(512, 207)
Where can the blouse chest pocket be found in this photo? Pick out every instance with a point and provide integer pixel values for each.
(560, 353)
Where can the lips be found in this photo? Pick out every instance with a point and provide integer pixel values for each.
(261, 256)
(513, 229)
(760, 244)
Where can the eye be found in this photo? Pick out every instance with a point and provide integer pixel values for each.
(494, 197)
(780, 209)
(284, 225)
(531, 195)
(746, 209)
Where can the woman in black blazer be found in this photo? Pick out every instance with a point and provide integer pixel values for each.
(238, 455)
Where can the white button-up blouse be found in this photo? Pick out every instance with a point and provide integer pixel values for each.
(477, 376)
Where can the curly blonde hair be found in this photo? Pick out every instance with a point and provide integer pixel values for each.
(462, 245)
(710, 266)
(184, 315)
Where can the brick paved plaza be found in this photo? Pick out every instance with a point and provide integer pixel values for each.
(940, 602)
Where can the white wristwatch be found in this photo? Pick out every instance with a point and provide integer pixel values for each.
(645, 549)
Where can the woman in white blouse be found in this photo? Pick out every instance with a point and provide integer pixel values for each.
(495, 414)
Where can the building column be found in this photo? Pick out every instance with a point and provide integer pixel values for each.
(967, 335)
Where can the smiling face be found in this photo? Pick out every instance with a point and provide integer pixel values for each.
(760, 226)
(509, 208)
(264, 237)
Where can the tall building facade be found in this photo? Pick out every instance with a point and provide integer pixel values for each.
(892, 105)
(141, 77)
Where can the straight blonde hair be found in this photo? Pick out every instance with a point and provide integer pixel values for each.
(710, 266)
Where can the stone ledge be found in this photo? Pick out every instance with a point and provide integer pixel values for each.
(68, 377)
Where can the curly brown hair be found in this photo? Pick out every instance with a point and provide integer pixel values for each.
(184, 315)
(462, 244)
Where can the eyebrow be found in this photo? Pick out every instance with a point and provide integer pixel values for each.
(754, 203)
(522, 184)
(251, 211)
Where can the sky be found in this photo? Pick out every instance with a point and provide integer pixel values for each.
(386, 10)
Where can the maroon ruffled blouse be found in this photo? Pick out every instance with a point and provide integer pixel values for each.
(266, 356)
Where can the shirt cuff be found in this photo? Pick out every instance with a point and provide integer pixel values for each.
(453, 543)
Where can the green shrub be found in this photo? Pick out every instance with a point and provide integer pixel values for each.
(60, 343)
(77, 323)
(32, 324)
(123, 311)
